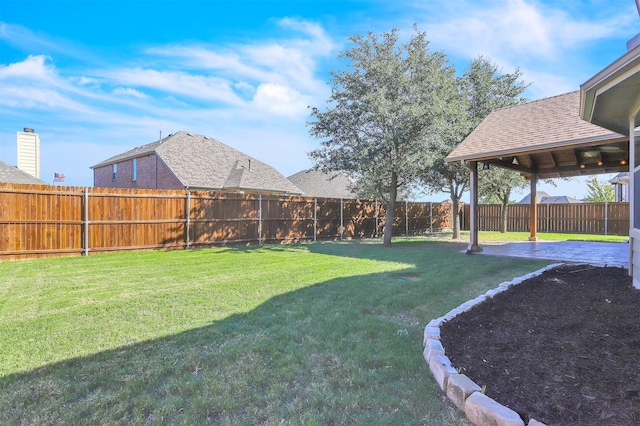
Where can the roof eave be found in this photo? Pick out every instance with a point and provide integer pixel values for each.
(613, 137)
(599, 90)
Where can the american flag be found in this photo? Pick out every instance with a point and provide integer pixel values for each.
(58, 177)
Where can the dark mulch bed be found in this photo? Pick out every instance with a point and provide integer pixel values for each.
(562, 348)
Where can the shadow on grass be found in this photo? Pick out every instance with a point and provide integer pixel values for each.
(348, 350)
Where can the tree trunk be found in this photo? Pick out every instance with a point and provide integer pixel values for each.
(503, 212)
(391, 208)
(455, 211)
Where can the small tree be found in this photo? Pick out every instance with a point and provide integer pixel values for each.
(599, 191)
(498, 183)
(381, 114)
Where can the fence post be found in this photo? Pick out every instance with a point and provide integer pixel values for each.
(85, 199)
(406, 218)
(187, 241)
(260, 219)
(341, 219)
(606, 218)
(315, 219)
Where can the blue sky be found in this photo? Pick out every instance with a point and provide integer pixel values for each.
(97, 78)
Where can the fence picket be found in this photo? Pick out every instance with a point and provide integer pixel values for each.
(45, 221)
(573, 218)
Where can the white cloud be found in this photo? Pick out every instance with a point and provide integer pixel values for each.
(287, 61)
(33, 67)
(86, 81)
(545, 84)
(319, 44)
(178, 82)
(280, 100)
(128, 91)
(516, 28)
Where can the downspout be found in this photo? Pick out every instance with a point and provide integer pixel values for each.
(156, 169)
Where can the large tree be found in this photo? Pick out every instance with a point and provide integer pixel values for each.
(482, 88)
(381, 114)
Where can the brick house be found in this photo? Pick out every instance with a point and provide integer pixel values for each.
(186, 160)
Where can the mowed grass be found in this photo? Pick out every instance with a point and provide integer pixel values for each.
(325, 333)
(494, 237)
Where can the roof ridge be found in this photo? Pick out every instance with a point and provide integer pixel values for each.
(536, 100)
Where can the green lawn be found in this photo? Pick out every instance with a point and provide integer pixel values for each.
(492, 237)
(326, 333)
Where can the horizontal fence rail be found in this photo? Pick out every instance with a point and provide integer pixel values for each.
(570, 218)
(50, 221)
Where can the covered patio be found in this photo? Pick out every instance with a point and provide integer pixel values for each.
(595, 253)
(541, 139)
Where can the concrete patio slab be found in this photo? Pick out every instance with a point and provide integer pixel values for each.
(611, 254)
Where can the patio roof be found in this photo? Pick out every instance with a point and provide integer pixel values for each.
(547, 138)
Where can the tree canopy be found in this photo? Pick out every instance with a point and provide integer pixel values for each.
(482, 88)
(599, 191)
(380, 122)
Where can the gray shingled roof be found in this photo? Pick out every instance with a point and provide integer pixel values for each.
(202, 162)
(620, 178)
(135, 152)
(323, 184)
(544, 198)
(549, 122)
(12, 174)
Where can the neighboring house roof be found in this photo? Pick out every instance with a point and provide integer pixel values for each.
(315, 183)
(620, 178)
(544, 198)
(546, 137)
(202, 162)
(12, 174)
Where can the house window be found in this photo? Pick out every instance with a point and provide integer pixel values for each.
(134, 169)
(115, 171)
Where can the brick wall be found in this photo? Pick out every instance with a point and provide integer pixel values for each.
(151, 173)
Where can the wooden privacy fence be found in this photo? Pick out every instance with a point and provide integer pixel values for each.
(573, 218)
(46, 221)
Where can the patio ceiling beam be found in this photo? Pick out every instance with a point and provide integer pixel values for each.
(525, 160)
(589, 168)
(508, 164)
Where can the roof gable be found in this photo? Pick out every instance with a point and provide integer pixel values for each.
(136, 152)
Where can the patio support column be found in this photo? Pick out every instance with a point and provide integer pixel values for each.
(632, 200)
(533, 213)
(474, 247)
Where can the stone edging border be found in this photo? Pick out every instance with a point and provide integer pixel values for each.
(462, 391)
